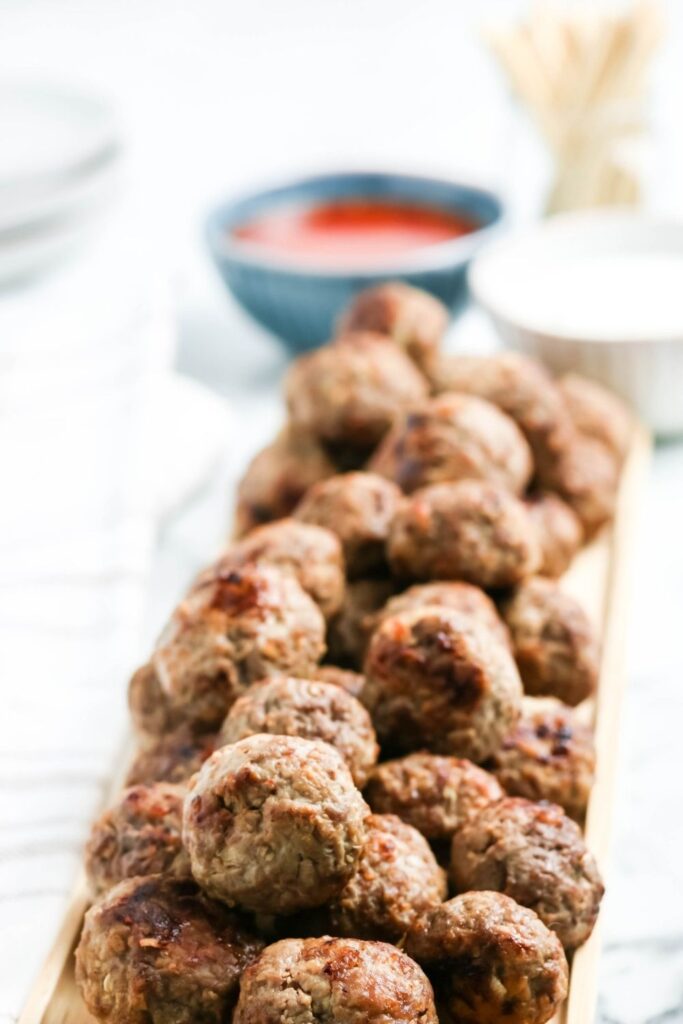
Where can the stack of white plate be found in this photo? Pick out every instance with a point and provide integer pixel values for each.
(59, 165)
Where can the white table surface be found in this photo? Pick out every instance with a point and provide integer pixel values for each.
(215, 94)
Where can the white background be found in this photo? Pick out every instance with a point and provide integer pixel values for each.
(217, 95)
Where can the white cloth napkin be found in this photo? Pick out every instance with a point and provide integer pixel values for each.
(79, 354)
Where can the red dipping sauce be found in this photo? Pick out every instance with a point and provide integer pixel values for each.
(350, 232)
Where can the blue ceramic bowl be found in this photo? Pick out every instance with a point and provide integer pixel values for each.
(300, 304)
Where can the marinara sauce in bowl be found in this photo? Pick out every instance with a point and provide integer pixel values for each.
(295, 255)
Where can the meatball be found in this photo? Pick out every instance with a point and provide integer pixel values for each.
(454, 437)
(334, 981)
(586, 475)
(311, 709)
(490, 961)
(598, 413)
(171, 758)
(549, 755)
(312, 554)
(414, 319)
(396, 880)
(359, 508)
(554, 644)
(435, 680)
(278, 476)
(352, 682)
(461, 597)
(518, 385)
(274, 824)
(536, 854)
(559, 532)
(240, 626)
(348, 392)
(472, 530)
(431, 792)
(582, 470)
(158, 951)
(349, 631)
(140, 834)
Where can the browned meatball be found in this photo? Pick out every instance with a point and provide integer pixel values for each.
(461, 597)
(396, 880)
(349, 631)
(414, 319)
(140, 834)
(278, 476)
(491, 961)
(549, 755)
(472, 530)
(348, 392)
(359, 508)
(312, 554)
(454, 437)
(434, 679)
(518, 385)
(352, 682)
(314, 710)
(242, 626)
(586, 474)
(158, 951)
(536, 854)
(559, 532)
(554, 643)
(171, 758)
(334, 981)
(581, 469)
(431, 792)
(598, 413)
(274, 824)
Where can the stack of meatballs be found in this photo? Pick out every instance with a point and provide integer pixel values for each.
(363, 757)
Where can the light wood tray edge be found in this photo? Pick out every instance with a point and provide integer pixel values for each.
(583, 989)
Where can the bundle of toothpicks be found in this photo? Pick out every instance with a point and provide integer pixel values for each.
(582, 73)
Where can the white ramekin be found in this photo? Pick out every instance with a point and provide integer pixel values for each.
(647, 372)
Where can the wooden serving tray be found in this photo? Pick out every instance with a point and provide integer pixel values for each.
(599, 577)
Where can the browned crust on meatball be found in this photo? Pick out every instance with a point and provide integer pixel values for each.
(472, 530)
(140, 834)
(549, 755)
(348, 392)
(435, 680)
(534, 853)
(490, 960)
(241, 626)
(412, 318)
(461, 597)
(352, 682)
(554, 643)
(396, 880)
(171, 758)
(309, 708)
(454, 437)
(559, 532)
(431, 792)
(349, 631)
(598, 413)
(274, 824)
(359, 508)
(334, 981)
(278, 476)
(158, 951)
(518, 385)
(586, 474)
(312, 554)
